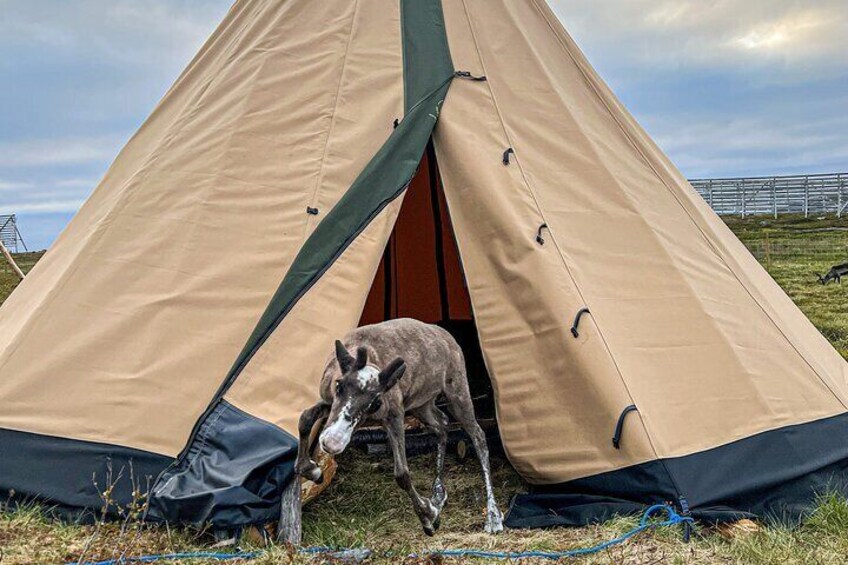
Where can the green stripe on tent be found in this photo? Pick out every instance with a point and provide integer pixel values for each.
(428, 71)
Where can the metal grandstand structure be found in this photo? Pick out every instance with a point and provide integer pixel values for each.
(10, 235)
(796, 194)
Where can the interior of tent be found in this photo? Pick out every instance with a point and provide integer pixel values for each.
(421, 277)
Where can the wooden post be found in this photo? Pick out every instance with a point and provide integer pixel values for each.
(11, 261)
(289, 526)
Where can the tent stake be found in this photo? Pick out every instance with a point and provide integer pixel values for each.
(11, 261)
(289, 526)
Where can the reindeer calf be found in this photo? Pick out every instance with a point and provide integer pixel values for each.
(401, 366)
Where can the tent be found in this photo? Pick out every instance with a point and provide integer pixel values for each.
(177, 327)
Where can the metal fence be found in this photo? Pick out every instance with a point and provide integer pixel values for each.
(10, 235)
(798, 194)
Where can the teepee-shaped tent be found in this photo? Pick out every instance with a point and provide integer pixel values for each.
(179, 324)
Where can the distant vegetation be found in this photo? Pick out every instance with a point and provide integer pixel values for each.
(8, 279)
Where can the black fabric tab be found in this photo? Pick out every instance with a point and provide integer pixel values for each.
(469, 76)
(539, 239)
(576, 322)
(619, 426)
(233, 475)
(775, 475)
(62, 472)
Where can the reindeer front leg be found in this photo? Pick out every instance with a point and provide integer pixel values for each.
(305, 466)
(437, 422)
(424, 509)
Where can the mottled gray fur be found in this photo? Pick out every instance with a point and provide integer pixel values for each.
(380, 373)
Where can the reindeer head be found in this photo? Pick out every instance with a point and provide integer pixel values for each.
(357, 395)
(821, 278)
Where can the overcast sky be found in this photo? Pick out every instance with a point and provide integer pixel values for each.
(727, 87)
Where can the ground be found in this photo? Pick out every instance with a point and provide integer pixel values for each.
(364, 508)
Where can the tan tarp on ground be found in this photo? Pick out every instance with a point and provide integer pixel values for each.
(153, 289)
(126, 328)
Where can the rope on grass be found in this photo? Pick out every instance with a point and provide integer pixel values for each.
(672, 519)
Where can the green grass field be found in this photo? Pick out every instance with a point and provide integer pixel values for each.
(364, 508)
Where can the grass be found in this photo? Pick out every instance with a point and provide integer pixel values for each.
(364, 508)
(793, 249)
(8, 279)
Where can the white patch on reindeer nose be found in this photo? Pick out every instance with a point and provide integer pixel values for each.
(367, 376)
(336, 436)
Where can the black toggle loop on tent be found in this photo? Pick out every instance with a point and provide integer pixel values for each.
(579, 315)
(311, 211)
(469, 76)
(506, 155)
(539, 239)
(616, 438)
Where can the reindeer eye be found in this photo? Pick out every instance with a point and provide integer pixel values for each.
(374, 406)
(338, 387)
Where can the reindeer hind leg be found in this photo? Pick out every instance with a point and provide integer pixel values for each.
(461, 407)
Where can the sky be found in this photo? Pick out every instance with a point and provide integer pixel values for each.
(726, 87)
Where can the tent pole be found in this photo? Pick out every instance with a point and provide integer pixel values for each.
(289, 526)
(11, 261)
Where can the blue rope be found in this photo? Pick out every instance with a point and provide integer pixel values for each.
(175, 556)
(673, 518)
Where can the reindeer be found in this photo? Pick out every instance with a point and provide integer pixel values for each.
(401, 366)
(834, 274)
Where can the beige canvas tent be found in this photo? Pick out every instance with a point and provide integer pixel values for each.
(181, 320)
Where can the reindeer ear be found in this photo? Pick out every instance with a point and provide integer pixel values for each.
(391, 374)
(344, 358)
(361, 358)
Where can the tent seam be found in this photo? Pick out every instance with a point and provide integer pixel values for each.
(662, 180)
(332, 124)
(553, 236)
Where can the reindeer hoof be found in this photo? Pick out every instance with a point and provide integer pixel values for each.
(494, 521)
(313, 473)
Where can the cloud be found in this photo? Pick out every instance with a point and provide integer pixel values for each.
(726, 87)
(810, 38)
(45, 152)
(46, 206)
(754, 146)
(140, 32)
(7, 186)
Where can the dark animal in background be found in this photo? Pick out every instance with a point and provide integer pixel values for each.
(834, 274)
(401, 366)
